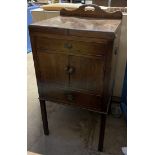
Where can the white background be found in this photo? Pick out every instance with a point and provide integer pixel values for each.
(141, 77)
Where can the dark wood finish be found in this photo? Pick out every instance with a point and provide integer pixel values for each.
(79, 98)
(76, 26)
(44, 117)
(85, 67)
(50, 70)
(52, 45)
(102, 132)
(97, 12)
(75, 61)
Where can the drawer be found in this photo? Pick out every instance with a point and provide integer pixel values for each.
(83, 100)
(70, 46)
(74, 98)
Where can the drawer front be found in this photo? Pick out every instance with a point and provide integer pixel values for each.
(72, 98)
(70, 46)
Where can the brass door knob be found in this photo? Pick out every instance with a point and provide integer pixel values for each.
(71, 70)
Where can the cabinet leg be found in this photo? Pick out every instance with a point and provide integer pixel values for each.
(102, 130)
(44, 117)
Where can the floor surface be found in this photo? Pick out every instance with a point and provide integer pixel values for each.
(72, 131)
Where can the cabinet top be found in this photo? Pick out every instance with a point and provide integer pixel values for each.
(79, 26)
(81, 22)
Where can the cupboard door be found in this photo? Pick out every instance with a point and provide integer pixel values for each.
(88, 73)
(52, 71)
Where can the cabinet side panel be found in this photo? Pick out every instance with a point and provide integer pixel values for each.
(121, 58)
(114, 50)
(109, 76)
(35, 60)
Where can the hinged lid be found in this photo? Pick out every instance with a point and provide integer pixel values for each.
(82, 22)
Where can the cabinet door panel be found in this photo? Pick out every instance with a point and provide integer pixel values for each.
(52, 69)
(88, 73)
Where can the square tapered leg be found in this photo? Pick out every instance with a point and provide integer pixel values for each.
(44, 117)
(102, 130)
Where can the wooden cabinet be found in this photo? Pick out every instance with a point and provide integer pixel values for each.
(75, 57)
(40, 14)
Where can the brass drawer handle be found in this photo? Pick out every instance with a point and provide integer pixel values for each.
(68, 45)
